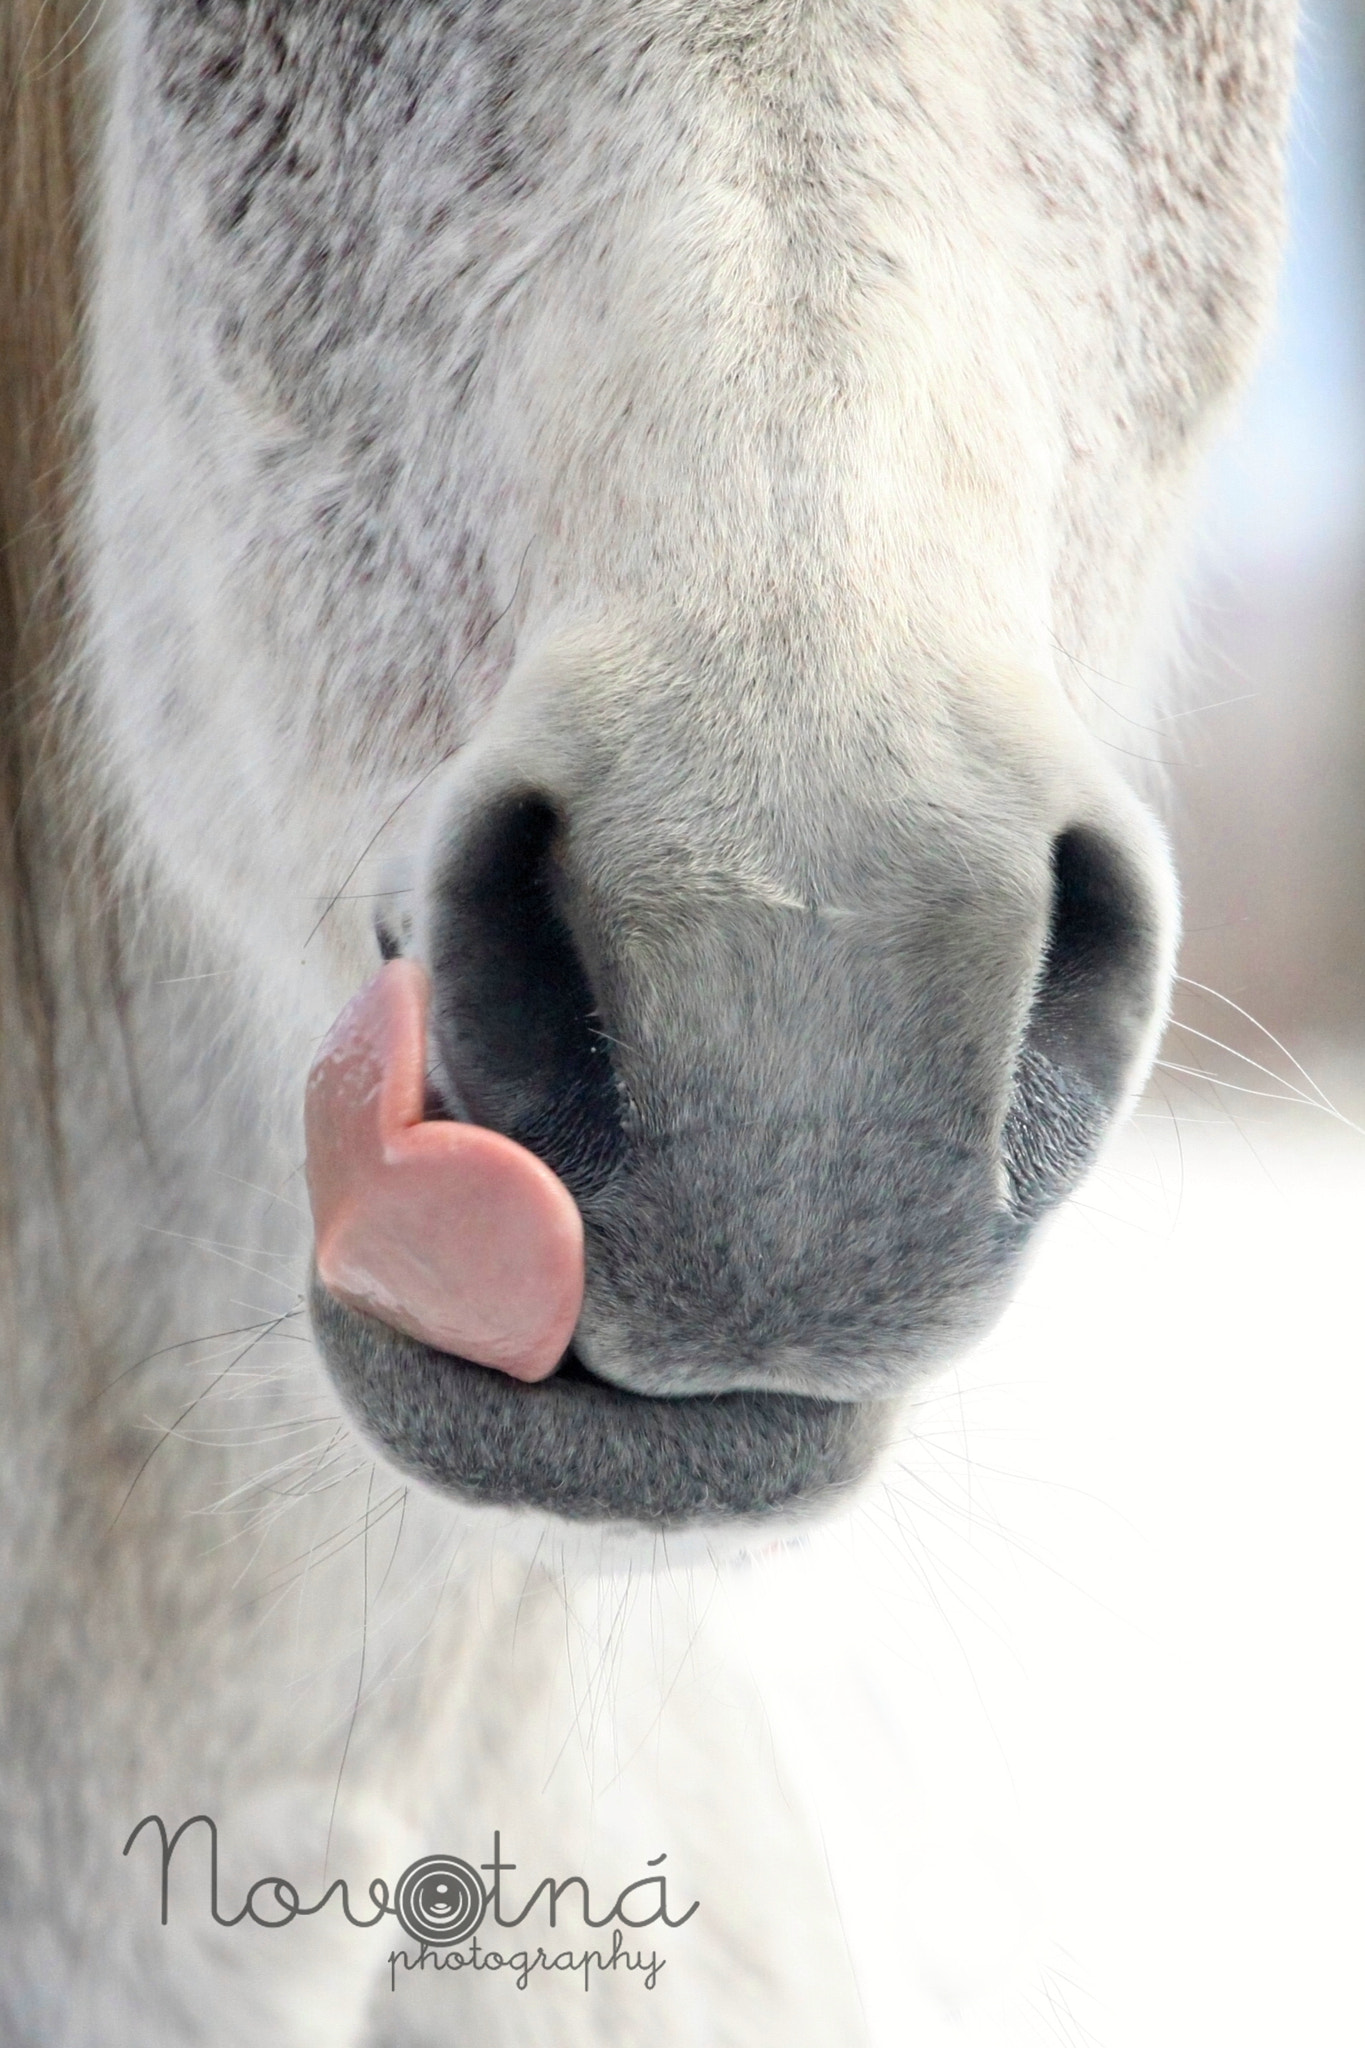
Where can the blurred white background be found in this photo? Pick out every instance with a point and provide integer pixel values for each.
(1078, 1701)
(1268, 799)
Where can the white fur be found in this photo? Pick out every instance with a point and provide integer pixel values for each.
(856, 354)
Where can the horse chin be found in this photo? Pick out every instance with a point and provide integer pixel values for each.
(585, 1452)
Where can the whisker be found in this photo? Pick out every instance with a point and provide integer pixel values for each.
(1316, 1101)
(398, 1538)
(275, 1194)
(185, 1412)
(186, 1344)
(360, 1676)
(1295, 1101)
(219, 1252)
(1186, 981)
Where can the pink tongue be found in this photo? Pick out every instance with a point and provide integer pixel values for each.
(446, 1231)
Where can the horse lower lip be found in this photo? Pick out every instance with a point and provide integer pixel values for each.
(583, 1450)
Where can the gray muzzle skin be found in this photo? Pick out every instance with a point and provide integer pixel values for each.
(811, 1130)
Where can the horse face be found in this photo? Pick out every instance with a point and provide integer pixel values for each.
(686, 483)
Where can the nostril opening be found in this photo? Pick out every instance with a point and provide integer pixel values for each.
(515, 1015)
(1089, 1016)
(1098, 967)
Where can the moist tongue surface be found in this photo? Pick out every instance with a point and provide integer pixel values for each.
(446, 1231)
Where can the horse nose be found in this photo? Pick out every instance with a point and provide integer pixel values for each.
(526, 1049)
(808, 1138)
(516, 1022)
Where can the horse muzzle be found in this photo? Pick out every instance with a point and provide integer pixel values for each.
(713, 1147)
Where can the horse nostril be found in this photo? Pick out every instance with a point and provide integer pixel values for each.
(1090, 1015)
(514, 1012)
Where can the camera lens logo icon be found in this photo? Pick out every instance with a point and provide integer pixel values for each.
(440, 1899)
